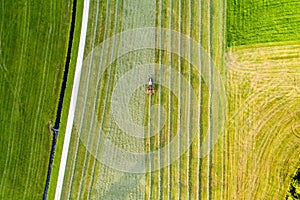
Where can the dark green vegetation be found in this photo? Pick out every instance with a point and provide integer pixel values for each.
(34, 39)
(260, 21)
(294, 190)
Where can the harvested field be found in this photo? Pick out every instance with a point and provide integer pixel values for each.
(263, 116)
(161, 126)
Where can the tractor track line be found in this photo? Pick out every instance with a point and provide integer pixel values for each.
(224, 168)
(150, 149)
(160, 103)
(190, 102)
(180, 99)
(73, 100)
(200, 102)
(210, 126)
(170, 110)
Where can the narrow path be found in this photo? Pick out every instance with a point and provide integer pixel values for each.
(73, 99)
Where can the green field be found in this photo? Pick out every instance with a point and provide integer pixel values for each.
(262, 111)
(258, 21)
(255, 46)
(34, 39)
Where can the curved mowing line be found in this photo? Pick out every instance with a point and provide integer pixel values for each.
(84, 108)
(73, 100)
(96, 102)
(268, 139)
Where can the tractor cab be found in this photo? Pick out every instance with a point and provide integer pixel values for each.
(150, 89)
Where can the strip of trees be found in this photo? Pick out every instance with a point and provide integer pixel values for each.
(294, 189)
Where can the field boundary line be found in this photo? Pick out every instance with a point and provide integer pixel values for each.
(73, 101)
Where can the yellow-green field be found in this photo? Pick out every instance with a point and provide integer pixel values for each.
(262, 145)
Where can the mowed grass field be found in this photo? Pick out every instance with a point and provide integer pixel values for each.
(258, 21)
(262, 151)
(34, 38)
(190, 176)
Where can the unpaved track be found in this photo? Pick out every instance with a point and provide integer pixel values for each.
(73, 100)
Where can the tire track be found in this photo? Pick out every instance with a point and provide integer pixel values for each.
(160, 171)
(190, 107)
(210, 124)
(200, 102)
(180, 101)
(170, 110)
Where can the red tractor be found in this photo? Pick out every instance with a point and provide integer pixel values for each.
(150, 89)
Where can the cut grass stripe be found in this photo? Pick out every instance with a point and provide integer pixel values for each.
(108, 91)
(85, 101)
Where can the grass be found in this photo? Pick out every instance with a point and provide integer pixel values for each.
(56, 163)
(258, 21)
(85, 176)
(34, 39)
(264, 98)
(262, 111)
